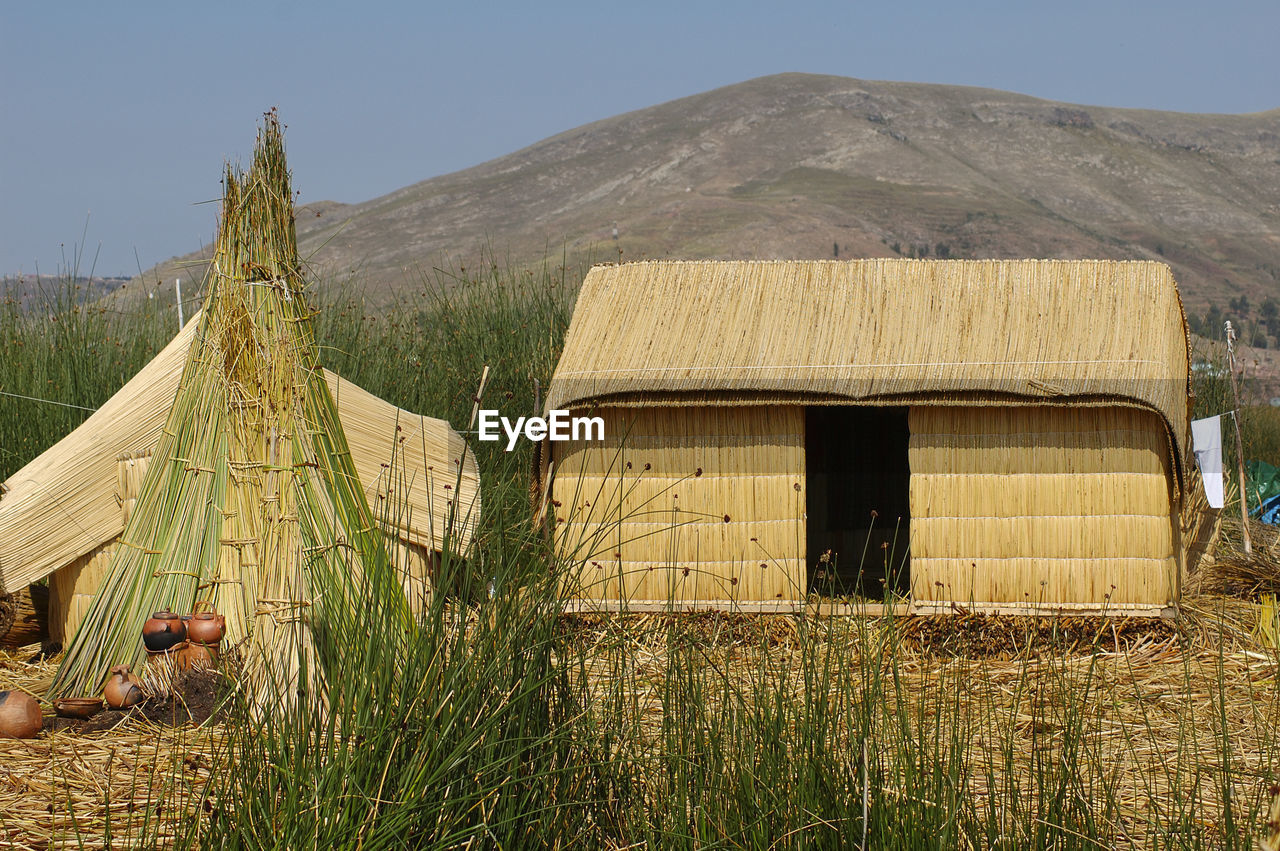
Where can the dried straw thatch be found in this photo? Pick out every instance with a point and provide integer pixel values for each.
(1047, 404)
(996, 331)
(251, 498)
(1233, 573)
(65, 508)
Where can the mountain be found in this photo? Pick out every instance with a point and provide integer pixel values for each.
(798, 165)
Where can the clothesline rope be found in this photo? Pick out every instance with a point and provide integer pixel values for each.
(46, 401)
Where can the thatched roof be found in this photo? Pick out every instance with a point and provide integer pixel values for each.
(64, 503)
(880, 332)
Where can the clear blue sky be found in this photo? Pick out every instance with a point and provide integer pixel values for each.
(128, 110)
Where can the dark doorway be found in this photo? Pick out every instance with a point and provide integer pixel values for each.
(859, 500)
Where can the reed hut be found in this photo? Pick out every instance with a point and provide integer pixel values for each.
(251, 498)
(63, 512)
(998, 436)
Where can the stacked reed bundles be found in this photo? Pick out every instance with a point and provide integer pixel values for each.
(251, 499)
(1041, 505)
(702, 504)
(1231, 572)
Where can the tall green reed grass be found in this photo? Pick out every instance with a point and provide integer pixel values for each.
(1259, 422)
(68, 356)
(497, 723)
(504, 725)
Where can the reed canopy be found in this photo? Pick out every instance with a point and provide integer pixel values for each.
(68, 506)
(999, 435)
(251, 497)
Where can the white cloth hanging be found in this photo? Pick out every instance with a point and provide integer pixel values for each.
(1206, 442)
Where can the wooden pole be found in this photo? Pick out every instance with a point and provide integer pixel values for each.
(1235, 418)
(475, 408)
(177, 290)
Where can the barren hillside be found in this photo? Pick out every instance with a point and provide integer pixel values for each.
(797, 165)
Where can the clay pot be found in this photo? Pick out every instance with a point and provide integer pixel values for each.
(200, 656)
(206, 627)
(163, 630)
(20, 716)
(78, 707)
(123, 689)
(171, 661)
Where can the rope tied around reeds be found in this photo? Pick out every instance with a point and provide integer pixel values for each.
(158, 573)
(215, 582)
(339, 543)
(145, 551)
(281, 285)
(683, 371)
(278, 610)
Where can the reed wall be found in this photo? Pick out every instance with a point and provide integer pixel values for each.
(71, 588)
(685, 504)
(1041, 505)
(71, 591)
(1046, 505)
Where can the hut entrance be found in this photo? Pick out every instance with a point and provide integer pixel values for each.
(858, 499)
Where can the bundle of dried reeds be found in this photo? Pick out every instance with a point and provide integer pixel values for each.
(1232, 572)
(251, 498)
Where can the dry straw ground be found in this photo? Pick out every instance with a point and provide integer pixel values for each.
(69, 788)
(1160, 720)
(1154, 712)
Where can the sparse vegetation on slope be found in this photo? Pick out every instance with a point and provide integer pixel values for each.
(805, 166)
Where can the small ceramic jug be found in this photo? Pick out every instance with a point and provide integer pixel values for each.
(20, 716)
(122, 690)
(206, 627)
(162, 631)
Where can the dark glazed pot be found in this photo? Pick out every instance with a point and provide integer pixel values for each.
(163, 631)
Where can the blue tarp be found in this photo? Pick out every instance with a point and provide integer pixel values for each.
(1264, 492)
(1270, 512)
